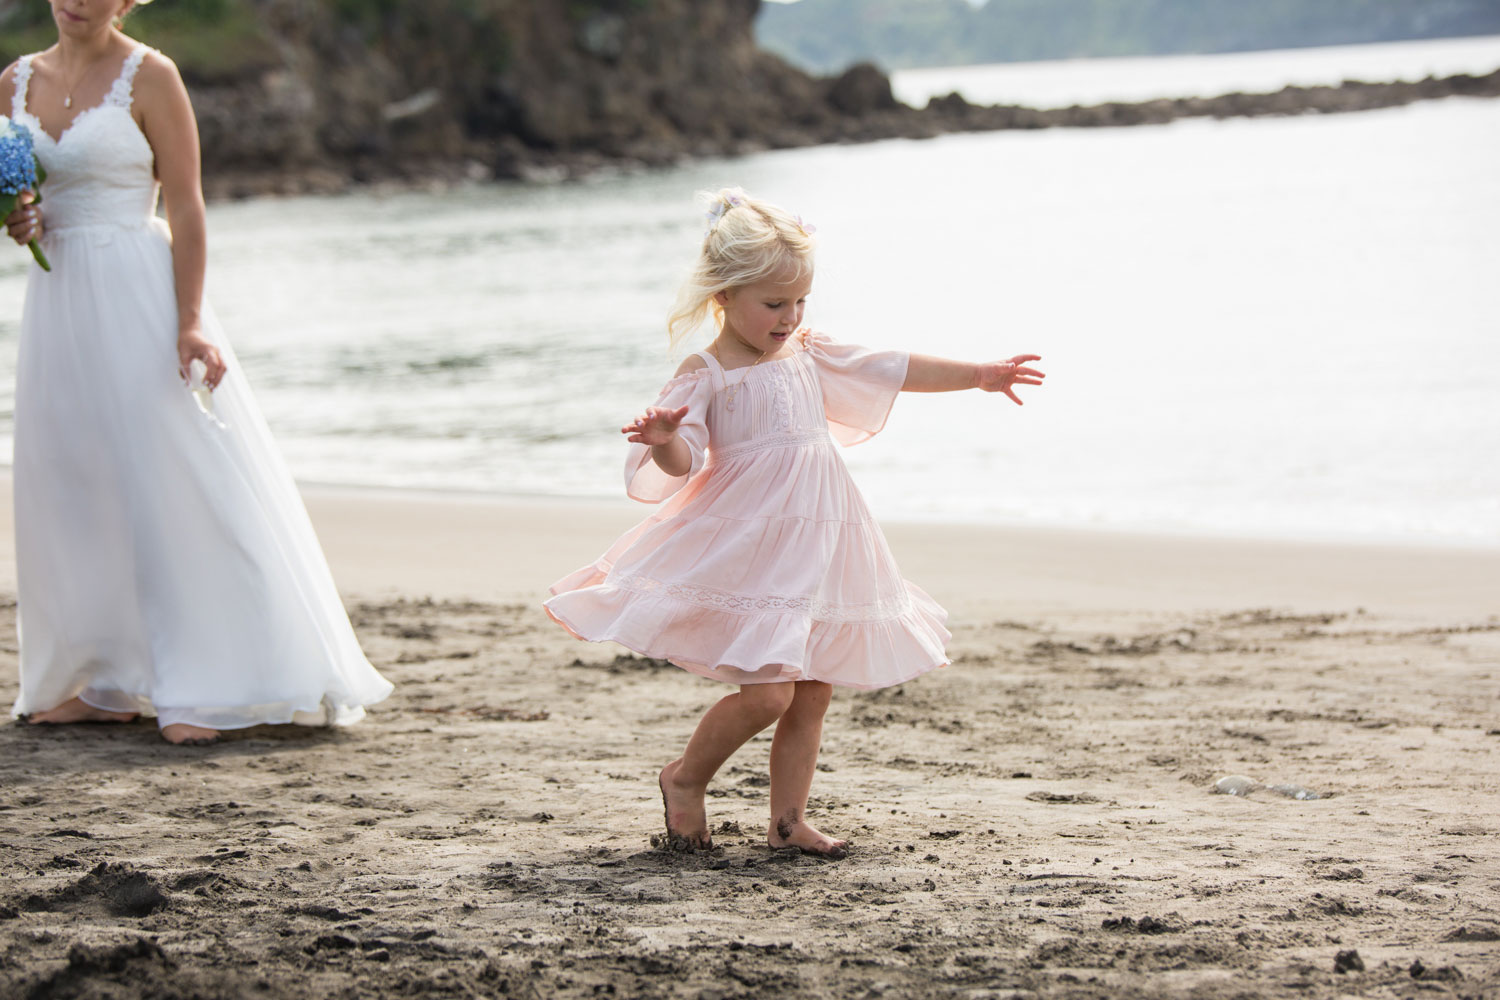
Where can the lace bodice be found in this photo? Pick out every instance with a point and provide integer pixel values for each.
(99, 171)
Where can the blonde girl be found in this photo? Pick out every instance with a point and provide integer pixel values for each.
(762, 567)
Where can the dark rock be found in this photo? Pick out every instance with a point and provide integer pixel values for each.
(549, 91)
(1348, 961)
(860, 90)
(949, 104)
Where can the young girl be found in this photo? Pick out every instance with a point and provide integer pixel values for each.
(764, 568)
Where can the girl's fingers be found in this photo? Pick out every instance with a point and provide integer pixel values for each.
(655, 416)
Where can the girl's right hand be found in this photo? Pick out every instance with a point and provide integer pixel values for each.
(25, 223)
(658, 426)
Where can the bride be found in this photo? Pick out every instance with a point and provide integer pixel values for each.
(166, 564)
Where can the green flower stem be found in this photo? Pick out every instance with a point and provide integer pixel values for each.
(41, 258)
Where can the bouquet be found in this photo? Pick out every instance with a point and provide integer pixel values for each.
(19, 171)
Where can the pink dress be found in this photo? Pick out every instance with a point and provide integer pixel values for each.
(763, 563)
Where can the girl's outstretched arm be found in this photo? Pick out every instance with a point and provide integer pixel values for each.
(657, 427)
(928, 374)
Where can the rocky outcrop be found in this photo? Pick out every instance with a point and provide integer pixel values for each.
(956, 114)
(342, 94)
(517, 89)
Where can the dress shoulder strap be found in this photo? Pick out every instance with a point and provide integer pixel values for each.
(121, 94)
(23, 81)
(716, 370)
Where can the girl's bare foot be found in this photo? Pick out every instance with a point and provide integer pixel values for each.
(790, 831)
(184, 735)
(686, 816)
(76, 710)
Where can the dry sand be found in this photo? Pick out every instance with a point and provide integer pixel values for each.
(1035, 820)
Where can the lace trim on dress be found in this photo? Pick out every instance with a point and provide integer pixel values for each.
(883, 610)
(781, 399)
(762, 443)
(23, 80)
(120, 94)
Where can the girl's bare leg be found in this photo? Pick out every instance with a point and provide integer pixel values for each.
(76, 710)
(794, 756)
(723, 729)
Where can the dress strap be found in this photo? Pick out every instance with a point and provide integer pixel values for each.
(120, 95)
(715, 369)
(23, 80)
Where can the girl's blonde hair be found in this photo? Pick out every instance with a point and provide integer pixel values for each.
(748, 240)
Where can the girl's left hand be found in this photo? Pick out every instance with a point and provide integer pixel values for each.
(191, 346)
(1001, 376)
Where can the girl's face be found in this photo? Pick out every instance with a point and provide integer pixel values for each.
(764, 315)
(81, 19)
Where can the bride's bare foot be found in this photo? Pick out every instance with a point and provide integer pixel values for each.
(76, 710)
(184, 735)
(790, 831)
(686, 816)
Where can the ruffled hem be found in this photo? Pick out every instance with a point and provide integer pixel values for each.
(755, 648)
(328, 711)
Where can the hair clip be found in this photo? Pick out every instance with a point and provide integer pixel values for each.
(717, 212)
(806, 227)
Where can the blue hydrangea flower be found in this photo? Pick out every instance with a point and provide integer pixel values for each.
(17, 159)
(19, 171)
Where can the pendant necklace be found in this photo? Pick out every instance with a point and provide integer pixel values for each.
(68, 97)
(732, 391)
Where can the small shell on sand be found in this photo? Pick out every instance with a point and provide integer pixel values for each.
(1295, 792)
(1236, 784)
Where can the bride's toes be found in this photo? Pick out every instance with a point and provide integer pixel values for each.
(75, 710)
(184, 735)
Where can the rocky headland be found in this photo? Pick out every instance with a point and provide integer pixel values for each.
(319, 96)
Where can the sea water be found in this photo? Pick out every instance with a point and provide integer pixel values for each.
(1267, 327)
(1060, 83)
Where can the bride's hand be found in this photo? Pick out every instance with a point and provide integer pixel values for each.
(25, 223)
(192, 347)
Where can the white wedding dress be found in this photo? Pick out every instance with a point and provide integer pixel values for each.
(165, 562)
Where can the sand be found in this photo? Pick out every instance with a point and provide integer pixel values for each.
(1035, 820)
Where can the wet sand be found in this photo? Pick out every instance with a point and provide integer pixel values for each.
(1035, 820)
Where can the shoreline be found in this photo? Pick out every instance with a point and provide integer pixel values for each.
(862, 109)
(382, 542)
(1309, 536)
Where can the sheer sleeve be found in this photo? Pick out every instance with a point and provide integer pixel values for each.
(859, 385)
(644, 479)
